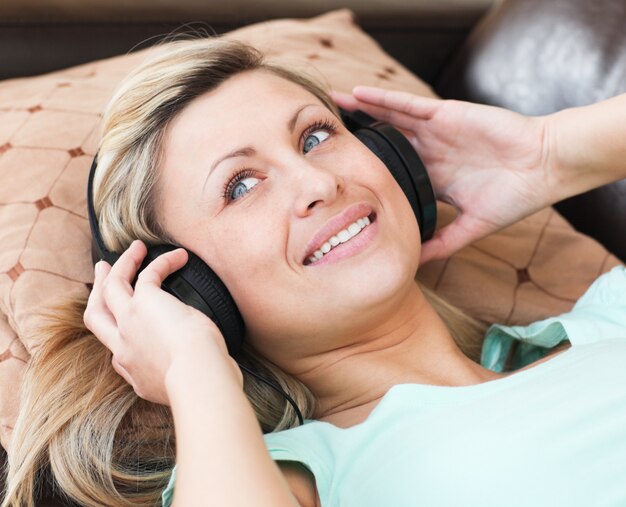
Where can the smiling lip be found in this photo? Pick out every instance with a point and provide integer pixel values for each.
(336, 224)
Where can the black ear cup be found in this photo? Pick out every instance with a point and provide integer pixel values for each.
(197, 285)
(403, 163)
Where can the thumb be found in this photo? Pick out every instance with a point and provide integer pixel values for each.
(447, 241)
(432, 250)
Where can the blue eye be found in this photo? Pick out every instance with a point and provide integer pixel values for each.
(244, 180)
(313, 139)
(242, 187)
(239, 185)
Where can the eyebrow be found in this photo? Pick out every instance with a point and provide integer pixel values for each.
(248, 151)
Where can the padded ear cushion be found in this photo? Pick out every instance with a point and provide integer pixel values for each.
(197, 285)
(380, 147)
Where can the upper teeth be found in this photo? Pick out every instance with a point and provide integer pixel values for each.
(341, 237)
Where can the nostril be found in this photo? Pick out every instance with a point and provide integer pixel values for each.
(310, 206)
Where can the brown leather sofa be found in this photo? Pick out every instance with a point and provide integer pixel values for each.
(531, 56)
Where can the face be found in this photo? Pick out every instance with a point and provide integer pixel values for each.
(259, 179)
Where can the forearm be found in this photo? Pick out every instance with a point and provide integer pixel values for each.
(221, 456)
(588, 146)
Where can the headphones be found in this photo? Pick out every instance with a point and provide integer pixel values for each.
(197, 285)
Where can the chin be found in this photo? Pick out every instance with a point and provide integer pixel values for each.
(382, 278)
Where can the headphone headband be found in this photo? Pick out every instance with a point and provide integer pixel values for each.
(98, 250)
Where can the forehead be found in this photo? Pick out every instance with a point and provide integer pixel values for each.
(248, 100)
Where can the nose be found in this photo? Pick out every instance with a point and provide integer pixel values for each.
(315, 186)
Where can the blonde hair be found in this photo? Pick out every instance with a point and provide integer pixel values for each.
(81, 428)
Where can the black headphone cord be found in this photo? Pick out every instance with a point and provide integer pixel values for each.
(276, 388)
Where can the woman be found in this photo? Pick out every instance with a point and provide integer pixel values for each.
(248, 166)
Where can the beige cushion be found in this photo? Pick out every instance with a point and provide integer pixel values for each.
(48, 136)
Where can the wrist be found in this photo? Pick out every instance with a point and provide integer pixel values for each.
(201, 368)
(555, 160)
(585, 153)
(561, 157)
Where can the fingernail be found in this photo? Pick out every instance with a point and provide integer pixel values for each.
(98, 268)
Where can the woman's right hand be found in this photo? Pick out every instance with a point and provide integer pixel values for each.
(493, 165)
(150, 331)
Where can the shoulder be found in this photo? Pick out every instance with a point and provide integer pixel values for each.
(301, 482)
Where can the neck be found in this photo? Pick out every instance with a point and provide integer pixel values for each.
(412, 345)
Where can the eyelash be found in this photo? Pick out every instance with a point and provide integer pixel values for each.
(242, 174)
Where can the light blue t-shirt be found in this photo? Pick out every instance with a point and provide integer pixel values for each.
(552, 435)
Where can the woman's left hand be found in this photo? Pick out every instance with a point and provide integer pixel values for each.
(149, 330)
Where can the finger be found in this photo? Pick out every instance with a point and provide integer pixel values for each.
(345, 100)
(401, 121)
(449, 239)
(118, 290)
(349, 103)
(127, 265)
(432, 250)
(98, 318)
(403, 102)
(161, 267)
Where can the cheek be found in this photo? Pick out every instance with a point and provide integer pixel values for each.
(398, 222)
(396, 205)
(246, 258)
